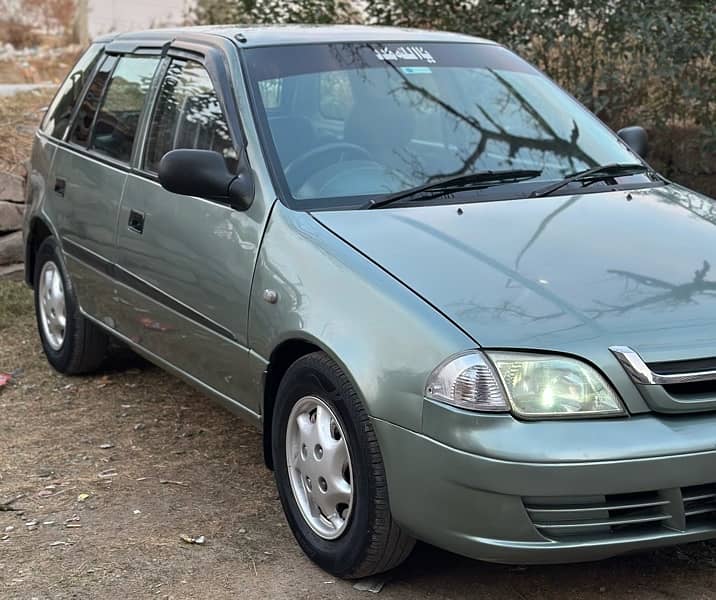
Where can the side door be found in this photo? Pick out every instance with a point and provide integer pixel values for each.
(90, 172)
(186, 263)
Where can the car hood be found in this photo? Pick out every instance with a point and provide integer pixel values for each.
(557, 273)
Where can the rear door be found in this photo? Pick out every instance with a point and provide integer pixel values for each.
(187, 262)
(90, 171)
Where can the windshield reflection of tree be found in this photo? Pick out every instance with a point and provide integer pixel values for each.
(552, 143)
(485, 129)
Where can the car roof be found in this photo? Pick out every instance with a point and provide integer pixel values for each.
(274, 35)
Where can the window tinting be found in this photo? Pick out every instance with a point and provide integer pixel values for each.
(188, 115)
(58, 115)
(85, 117)
(117, 120)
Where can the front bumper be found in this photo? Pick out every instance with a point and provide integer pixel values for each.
(521, 512)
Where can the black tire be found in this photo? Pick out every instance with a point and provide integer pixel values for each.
(85, 345)
(372, 542)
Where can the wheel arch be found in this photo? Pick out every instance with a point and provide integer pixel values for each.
(37, 232)
(286, 353)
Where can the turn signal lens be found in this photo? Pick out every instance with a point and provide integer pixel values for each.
(467, 381)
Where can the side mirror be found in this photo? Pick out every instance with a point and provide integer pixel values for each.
(636, 138)
(204, 173)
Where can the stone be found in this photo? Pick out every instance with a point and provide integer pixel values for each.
(11, 248)
(10, 216)
(11, 188)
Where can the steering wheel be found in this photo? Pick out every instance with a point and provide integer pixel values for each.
(299, 169)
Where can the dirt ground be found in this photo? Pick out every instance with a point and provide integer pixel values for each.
(113, 468)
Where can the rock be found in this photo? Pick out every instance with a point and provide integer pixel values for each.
(16, 272)
(10, 216)
(11, 248)
(11, 188)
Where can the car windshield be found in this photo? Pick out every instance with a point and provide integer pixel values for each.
(352, 121)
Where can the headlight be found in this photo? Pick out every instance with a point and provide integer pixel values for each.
(554, 386)
(531, 385)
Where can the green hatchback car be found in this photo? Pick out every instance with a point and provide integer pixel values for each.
(460, 309)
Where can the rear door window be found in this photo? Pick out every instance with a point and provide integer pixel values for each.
(58, 115)
(188, 115)
(116, 124)
(88, 109)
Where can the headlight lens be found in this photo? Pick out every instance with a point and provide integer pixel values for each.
(531, 385)
(554, 386)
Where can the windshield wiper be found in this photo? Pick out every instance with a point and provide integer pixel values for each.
(473, 180)
(591, 175)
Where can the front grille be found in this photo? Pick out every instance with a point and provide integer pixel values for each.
(597, 517)
(687, 390)
(679, 367)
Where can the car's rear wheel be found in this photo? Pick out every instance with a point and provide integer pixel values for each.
(330, 473)
(72, 343)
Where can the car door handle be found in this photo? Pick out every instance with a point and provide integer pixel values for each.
(60, 185)
(136, 221)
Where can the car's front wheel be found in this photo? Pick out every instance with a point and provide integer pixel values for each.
(330, 473)
(71, 342)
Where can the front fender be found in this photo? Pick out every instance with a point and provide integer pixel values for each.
(386, 339)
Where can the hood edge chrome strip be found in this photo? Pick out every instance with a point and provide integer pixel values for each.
(640, 372)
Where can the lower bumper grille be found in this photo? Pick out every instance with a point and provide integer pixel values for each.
(699, 500)
(676, 509)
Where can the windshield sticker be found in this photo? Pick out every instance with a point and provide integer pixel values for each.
(404, 53)
(416, 70)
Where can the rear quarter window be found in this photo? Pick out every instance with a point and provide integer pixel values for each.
(82, 126)
(58, 115)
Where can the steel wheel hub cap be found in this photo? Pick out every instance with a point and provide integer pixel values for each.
(319, 467)
(53, 314)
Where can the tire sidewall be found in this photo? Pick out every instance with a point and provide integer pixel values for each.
(341, 555)
(59, 359)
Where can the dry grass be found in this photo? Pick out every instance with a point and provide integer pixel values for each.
(15, 302)
(47, 66)
(20, 115)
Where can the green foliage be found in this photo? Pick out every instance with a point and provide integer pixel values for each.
(274, 11)
(450, 15)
